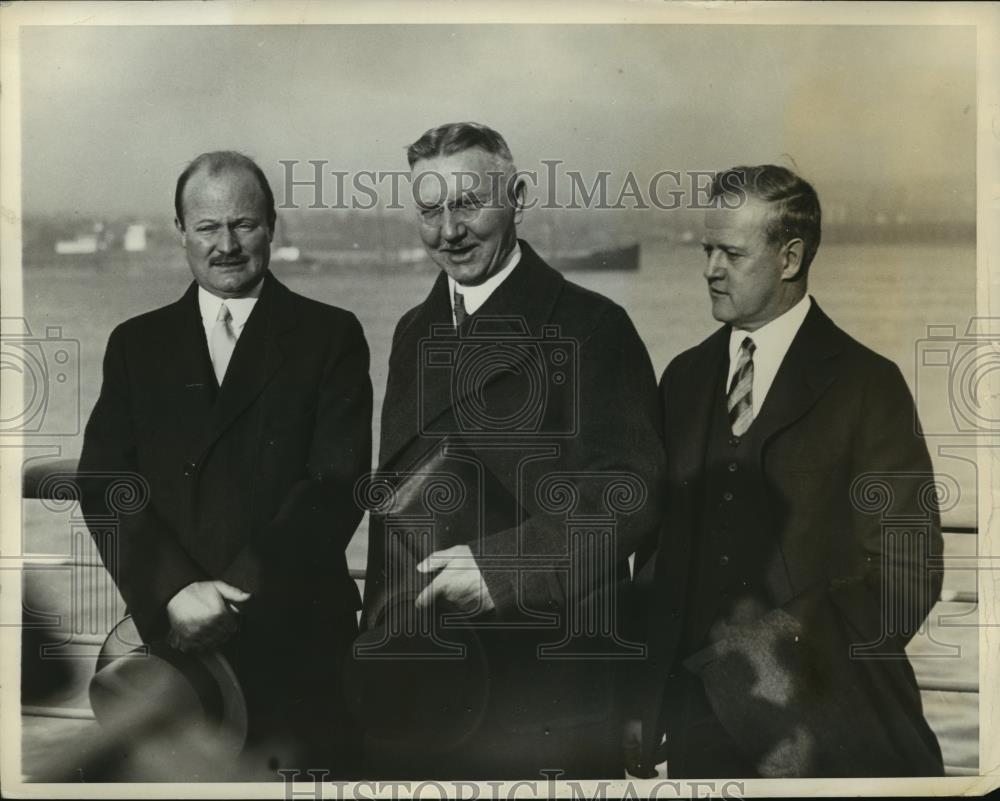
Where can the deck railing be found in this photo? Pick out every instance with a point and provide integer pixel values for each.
(34, 487)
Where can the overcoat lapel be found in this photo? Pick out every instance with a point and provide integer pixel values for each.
(691, 401)
(186, 369)
(257, 356)
(806, 372)
(400, 416)
(693, 404)
(521, 305)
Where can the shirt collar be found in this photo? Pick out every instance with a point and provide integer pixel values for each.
(476, 296)
(775, 336)
(239, 308)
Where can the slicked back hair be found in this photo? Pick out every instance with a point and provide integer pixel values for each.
(795, 210)
(454, 137)
(219, 161)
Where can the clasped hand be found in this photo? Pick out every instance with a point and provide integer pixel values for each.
(204, 615)
(458, 581)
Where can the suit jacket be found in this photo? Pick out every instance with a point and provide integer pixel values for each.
(251, 483)
(839, 457)
(566, 429)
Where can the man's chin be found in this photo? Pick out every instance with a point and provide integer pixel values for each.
(465, 274)
(722, 311)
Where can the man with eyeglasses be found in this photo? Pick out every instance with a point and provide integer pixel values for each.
(534, 401)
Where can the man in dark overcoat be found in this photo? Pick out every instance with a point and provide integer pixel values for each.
(246, 411)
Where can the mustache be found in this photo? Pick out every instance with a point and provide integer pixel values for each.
(228, 260)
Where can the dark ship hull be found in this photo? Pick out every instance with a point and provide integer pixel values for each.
(610, 259)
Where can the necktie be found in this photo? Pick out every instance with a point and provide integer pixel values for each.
(740, 398)
(459, 307)
(222, 342)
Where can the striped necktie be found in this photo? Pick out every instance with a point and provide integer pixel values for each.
(459, 308)
(740, 398)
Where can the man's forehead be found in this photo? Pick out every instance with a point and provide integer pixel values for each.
(733, 215)
(472, 168)
(206, 187)
(207, 179)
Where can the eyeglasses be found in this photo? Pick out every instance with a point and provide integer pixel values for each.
(464, 210)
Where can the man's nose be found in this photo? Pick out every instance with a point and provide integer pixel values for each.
(452, 229)
(714, 265)
(227, 241)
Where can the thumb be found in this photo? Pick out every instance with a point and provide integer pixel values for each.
(231, 593)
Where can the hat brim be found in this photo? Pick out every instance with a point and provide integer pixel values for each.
(113, 683)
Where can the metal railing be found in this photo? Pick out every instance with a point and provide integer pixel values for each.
(33, 488)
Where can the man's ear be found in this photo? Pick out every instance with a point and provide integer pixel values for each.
(791, 267)
(520, 193)
(180, 229)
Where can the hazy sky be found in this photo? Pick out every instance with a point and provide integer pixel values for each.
(111, 115)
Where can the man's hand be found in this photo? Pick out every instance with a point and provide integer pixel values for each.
(458, 581)
(204, 615)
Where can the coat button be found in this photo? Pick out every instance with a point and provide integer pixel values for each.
(734, 441)
(732, 467)
(727, 496)
(189, 468)
(723, 560)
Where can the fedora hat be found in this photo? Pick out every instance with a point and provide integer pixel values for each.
(192, 700)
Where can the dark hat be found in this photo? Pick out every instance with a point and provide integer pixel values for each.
(425, 690)
(156, 690)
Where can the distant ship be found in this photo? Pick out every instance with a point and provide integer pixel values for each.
(286, 253)
(84, 244)
(101, 239)
(618, 259)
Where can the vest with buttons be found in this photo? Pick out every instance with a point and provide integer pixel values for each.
(734, 543)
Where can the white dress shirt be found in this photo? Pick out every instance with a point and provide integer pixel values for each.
(772, 342)
(239, 308)
(476, 296)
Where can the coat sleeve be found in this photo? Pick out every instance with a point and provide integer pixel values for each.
(321, 506)
(138, 547)
(613, 467)
(893, 477)
(651, 616)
